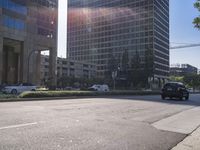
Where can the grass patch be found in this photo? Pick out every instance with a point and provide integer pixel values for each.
(46, 94)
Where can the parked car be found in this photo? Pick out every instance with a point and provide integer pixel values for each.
(99, 88)
(175, 90)
(19, 88)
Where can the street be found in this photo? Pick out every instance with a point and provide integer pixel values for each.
(113, 123)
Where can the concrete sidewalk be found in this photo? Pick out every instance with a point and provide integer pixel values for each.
(191, 142)
(184, 122)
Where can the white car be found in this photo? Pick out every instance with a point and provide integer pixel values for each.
(16, 89)
(99, 88)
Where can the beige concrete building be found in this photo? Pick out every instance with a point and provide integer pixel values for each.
(26, 28)
(68, 68)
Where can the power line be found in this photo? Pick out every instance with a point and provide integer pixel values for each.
(182, 42)
(185, 46)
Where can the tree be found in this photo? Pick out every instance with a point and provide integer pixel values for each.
(196, 21)
(125, 61)
(112, 63)
(136, 68)
(148, 68)
(192, 80)
(136, 61)
(176, 79)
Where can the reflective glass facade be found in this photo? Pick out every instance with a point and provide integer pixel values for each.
(14, 14)
(99, 28)
(13, 23)
(46, 3)
(14, 6)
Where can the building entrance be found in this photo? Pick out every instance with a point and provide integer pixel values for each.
(12, 60)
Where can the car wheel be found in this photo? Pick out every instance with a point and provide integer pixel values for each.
(33, 90)
(163, 97)
(14, 91)
(181, 98)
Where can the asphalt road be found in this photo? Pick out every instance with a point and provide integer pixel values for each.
(117, 123)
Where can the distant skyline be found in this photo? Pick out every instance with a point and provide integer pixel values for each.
(182, 30)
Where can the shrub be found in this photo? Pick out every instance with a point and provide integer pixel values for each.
(6, 96)
(43, 94)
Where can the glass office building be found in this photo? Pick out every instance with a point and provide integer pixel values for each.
(26, 26)
(101, 29)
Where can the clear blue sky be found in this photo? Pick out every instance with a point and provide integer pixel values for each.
(182, 13)
(182, 30)
(62, 28)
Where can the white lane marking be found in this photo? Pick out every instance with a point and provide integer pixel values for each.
(18, 126)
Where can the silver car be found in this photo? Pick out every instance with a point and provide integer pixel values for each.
(19, 88)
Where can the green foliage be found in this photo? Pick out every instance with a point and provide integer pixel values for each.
(196, 21)
(83, 83)
(136, 61)
(192, 80)
(197, 5)
(137, 74)
(176, 79)
(6, 96)
(112, 63)
(46, 94)
(41, 94)
(125, 61)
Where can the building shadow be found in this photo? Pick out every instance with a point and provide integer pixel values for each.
(194, 99)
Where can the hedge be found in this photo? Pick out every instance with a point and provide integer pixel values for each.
(6, 96)
(44, 94)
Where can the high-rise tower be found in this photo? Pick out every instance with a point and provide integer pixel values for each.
(127, 31)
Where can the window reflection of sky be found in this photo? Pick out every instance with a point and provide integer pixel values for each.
(13, 23)
(10, 5)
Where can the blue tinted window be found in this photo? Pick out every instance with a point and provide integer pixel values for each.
(13, 23)
(9, 4)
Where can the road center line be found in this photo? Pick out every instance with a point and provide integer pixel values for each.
(18, 126)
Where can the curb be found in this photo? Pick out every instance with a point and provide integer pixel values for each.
(47, 98)
(191, 142)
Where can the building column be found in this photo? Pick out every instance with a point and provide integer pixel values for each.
(38, 68)
(26, 50)
(53, 68)
(1, 59)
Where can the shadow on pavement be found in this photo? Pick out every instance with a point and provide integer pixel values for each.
(194, 99)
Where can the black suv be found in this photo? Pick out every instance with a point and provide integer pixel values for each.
(174, 90)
